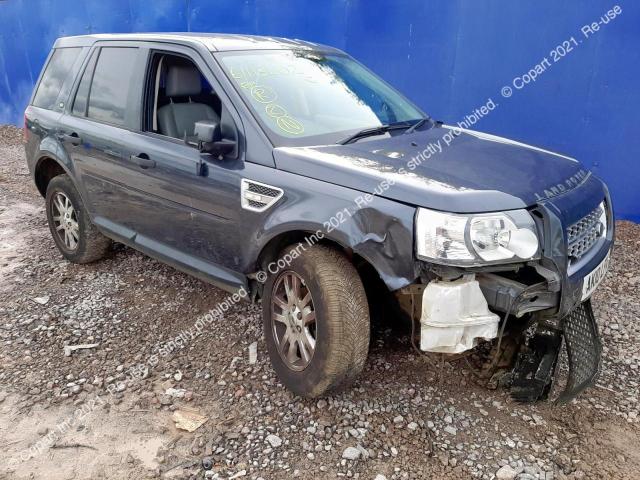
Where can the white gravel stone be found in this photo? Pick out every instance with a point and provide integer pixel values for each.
(351, 453)
(506, 473)
(274, 440)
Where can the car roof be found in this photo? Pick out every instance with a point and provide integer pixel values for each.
(213, 41)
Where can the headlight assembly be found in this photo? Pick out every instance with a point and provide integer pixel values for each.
(475, 239)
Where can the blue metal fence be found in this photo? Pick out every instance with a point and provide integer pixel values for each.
(450, 57)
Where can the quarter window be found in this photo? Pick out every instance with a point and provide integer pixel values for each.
(111, 84)
(82, 96)
(54, 76)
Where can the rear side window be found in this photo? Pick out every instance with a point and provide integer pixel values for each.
(56, 72)
(112, 81)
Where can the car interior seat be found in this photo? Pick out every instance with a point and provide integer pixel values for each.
(177, 119)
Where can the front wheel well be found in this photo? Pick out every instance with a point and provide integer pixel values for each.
(46, 169)
(274, 247)
(270, 252)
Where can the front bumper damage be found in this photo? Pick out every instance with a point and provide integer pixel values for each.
(583, 348)
(532, 376)
(455, 316)
(533, 312)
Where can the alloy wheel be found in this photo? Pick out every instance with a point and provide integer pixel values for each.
(65, 220)
(293, 320)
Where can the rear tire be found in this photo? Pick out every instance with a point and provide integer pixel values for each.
(329, 312)
(76, 237)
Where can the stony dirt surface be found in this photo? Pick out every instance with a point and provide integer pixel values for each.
(108, 411)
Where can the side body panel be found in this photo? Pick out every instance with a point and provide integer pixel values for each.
(194, 220)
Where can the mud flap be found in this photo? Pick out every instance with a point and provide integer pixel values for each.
(584, 350)
(532, 375)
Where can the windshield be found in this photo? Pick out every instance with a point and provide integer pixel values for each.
(306, 97)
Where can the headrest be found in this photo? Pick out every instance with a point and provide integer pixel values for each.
(183, 80)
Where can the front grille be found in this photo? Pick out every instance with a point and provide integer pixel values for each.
(582, 235)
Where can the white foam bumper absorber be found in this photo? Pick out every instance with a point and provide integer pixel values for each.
(454, 316)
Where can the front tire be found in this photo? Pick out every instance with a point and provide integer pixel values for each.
(316, 321)
(76, 237)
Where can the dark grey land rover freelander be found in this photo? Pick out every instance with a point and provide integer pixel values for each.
(287, 170)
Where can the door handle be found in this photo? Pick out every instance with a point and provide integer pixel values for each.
(143, 162)
(73, 138)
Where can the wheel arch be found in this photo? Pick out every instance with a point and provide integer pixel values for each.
(270, 251)
(380, 235)
(47, 167)
(51, 160)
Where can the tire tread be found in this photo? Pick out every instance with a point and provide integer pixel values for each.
(93, 244)
(345, 300)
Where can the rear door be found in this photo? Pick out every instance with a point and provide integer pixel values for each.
(99, 123)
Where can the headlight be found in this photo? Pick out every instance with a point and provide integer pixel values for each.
(475, 239)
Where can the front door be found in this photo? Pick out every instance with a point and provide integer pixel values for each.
(189, 202)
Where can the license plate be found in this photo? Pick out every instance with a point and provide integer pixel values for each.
(592, 280)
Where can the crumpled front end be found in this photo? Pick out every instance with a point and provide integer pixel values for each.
(530, 310)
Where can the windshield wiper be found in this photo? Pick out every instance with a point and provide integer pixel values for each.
(417, 125)
(370, 132)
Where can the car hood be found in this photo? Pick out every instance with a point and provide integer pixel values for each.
(441, 168)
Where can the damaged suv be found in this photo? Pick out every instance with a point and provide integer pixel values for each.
(287, 171)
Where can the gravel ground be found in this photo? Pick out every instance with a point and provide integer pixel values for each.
(108, 411)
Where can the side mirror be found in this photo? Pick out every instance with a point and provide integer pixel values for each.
(208, 131)
(209, 135)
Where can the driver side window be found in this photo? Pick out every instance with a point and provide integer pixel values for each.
(179, 96)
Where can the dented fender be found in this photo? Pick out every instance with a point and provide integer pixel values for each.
(385, 241)
(377, 229)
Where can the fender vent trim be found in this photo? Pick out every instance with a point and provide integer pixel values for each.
(258, 197)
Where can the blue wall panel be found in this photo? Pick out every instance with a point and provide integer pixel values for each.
(450, 57)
